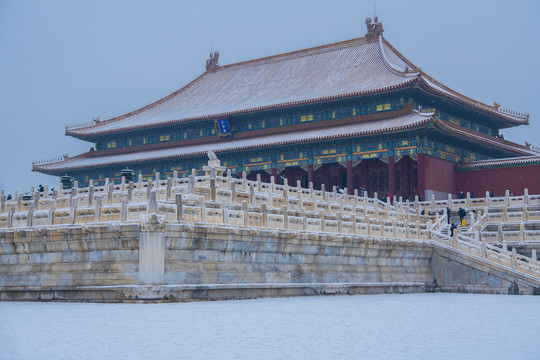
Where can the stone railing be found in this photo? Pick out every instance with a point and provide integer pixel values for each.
(215, 198)
(477, 203)
(478, 246)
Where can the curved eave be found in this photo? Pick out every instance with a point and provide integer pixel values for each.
(486, 140)
(509, 162)
(504, 119)
(403, 128)
(404, 85)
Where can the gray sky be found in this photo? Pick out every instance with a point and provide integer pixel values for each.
(65, 62)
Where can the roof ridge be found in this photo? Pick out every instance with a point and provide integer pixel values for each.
(407, 71)
(299, 53)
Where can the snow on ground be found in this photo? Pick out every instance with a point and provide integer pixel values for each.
(415, 326)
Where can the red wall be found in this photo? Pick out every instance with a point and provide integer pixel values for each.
(439, 175)
(513, 178)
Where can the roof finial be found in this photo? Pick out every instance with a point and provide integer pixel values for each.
(375, 29)
(212, 62)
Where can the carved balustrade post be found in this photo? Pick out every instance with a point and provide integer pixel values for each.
(178, 201)
(73, 211)
(130, 191)
(246, 213)
(483, 247)
(202, 204)
(191, 184)
(97, 211)
(110, 188)
(30, 214)
(534, 260)
(504, 249)
(252, 194)
(264, 211)
(10, 217)
(151, 249)
(149, 189)
(123, 208)
(514, 258)
(323, 223)
(233, 191)
(19, 202)
(51, 214)
(213, 188)
(168, 191)
(90, 195)
(285, 212)
(455, 237)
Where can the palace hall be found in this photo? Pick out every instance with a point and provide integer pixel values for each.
(354, 114)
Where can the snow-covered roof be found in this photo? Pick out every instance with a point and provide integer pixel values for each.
(403, 122)
(344, 69)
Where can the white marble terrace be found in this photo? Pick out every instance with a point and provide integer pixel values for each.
(218, 199)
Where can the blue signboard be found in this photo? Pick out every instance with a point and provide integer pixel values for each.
(223, 126)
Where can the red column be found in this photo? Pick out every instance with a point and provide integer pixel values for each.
(274, 174)
(420, 173)
(391, 176)
(310, 174)
(364, 174)
(350, 185)
(326, 169)
(239, 174)
(405, 177)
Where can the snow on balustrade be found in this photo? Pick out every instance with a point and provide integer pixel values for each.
(217, 198)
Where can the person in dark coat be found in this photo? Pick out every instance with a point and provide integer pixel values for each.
(462, 213)
(452, 227)
(448, 214)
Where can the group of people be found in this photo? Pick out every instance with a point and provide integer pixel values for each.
(461, 213)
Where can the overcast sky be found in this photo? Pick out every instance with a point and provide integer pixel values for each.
(65, 62)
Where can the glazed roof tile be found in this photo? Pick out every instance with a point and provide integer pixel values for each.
(337, 70)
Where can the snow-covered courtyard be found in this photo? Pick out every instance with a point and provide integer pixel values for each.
(415, 326)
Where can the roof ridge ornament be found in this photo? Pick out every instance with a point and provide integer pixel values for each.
(212, 62)
(374, 29)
